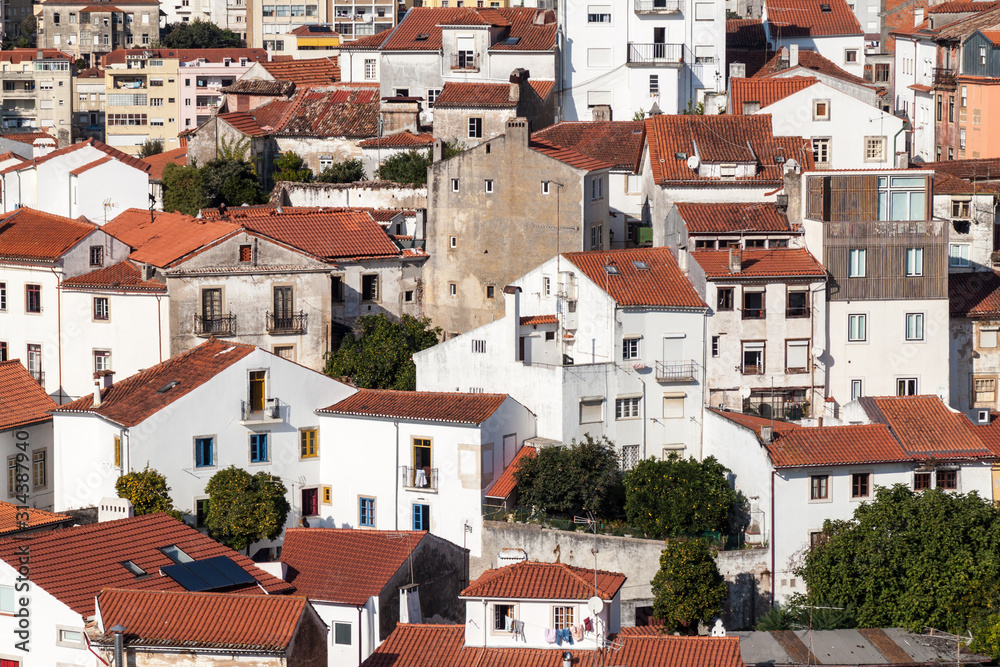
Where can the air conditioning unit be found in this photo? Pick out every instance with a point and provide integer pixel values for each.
(273, 410)
(983, 417)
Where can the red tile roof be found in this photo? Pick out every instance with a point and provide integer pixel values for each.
(531, 580)
(346, 112)
(317, 30)
(326, 234)
(975, 294)
(119, 56)
(91, 73)
(506, 483)
(568, 156)
(809, 61)
(618, 142)
(125, 158)
(453, 407)
(74, 564)
(27, 137)
(773, 262)
(368, 42)
(187, 620)
(533, 29)
(732, 218)
(977, 169)
(10, 523)
(755, 423)
(925, 426)
(745, 34)
(722, 138)
(529, 320)
(404, 139)
(18, 56)
(662, 284)
(960, 7)
(168, 237)
(993, 36)
(416, 645)
(312, 72)
(946, 184)
(343, 565)
(542, 87)
(22, 400)
(836, 445)
(136, 398)
(157, 162)
(807, 18)
(33, 235)
(765, 92)
(120, 277)
(920, 88)
(478, 95)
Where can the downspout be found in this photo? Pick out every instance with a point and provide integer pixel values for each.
(361, 638)
(704, 384)
(58, 333)
(128, 453)
(159, 329)
(396, 507)
(773, 573)
(486, 618)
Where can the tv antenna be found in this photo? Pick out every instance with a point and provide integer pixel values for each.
(591, 524)
(108, 203)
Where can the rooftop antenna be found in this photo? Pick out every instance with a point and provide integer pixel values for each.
(959, 640)
(591, 524)
(108, 203)
(811, 608)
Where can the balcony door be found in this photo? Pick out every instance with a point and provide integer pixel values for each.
(211, 306)
(283, 307)
(257, 390)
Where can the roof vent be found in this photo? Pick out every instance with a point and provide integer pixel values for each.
(611, 269)
(825, 8)
(168, 386)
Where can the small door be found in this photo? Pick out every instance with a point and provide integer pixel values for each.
(257, 390)
(310, 502)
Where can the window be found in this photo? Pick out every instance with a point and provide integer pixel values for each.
(101, 308)
(629, 456)
(475, 128)
(307, 443)
(452, 289)
(857, 259)
(562, 618)
(246, 253)
(118, 451)
(627, 408)
(204, 452)
(4, 354)
(489, 186)
(819, 487)
(914, 326)
(310, 502)
(906, 387)
(599, 14)
(821, 151)
(960, 208)
(964, 99)
(860, 487)
(39, 472)
(258, 448)
(32, 298)
(3, 297)
(798, 303)
(951, 108)
(715, 345)
(874, 149)
(478, 346)
(921, 481)
(850, 56)
(796, 356)
(369, 69)
(369, 287)
(7, 598)
(961, 139)
(821, 109)
(753, 305)
(989, 336)
(591, 410)
(337, 289)
(97, 255)
(546, 286)
(597, 189)
(724, 299)
(984, 391)
(958, 255)
(200, 512)
(654, 85)
(421, 517)
(630, 348)
(857, 328)
(914, 261)
(503, 617)
(947, 480)
(901, 198)
(982, 58)
(102, 360)
(856, 390)
(940, 108)
(753, 358)
(366, 512)
(35, 361)
(455, 185)
(327, 495)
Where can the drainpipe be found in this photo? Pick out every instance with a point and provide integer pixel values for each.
(159, 329)
(58, 332)
(360, 638)
(773, 545)
(396, 507)
(896, 136)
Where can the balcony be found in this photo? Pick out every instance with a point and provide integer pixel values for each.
(753, 313)
(224, 325)
(944, 77)
(269, 415)
(657, 6)
(753, 369)
(419, 479)
(465, 62)
(676, 371)
(655, 55)
(796, 311)
(286, 323)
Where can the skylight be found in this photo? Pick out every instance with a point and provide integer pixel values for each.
(824, 8)
(421, 37)
(168, 386)
(641, 266)
(176, 554)
(611, 269)
(511, 41)
(133, 568)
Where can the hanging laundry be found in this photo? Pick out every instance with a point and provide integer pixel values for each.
(550, 636)
(507, 623)
(564, 636)
(588, 625)
(576, 632)
(518, 630)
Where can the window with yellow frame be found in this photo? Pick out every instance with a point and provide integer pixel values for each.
(118, 452)
(308, 447)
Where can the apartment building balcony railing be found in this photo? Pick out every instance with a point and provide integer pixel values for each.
(657, 6)
(753, 369)
(753, 313)
(287, 323)
(655, 54)
(944, 77)
(271, 412)
(467, 62)
(676, 371)
(797, 311)
(223, 325)
(418, 479)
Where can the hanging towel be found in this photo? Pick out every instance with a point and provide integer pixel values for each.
(550, 636)
(564, 636)
(518, 629)
(507, 621)
(576, 632)
(587, 625)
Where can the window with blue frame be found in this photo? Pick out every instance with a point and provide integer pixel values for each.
(258, 448)
(204, 452)
(421, 517)
(366, 512)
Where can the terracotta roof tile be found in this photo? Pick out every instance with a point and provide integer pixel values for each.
(157, 162)
(531, 580)
(766, 91)
(91, 73)
(312, 72)
(338, 113)
(836, 445)
(569, 156)
(809, 61)
(404, 139)
(33, 235)
(22, 400)
(755, 423)
(542, 87)
(202, 620)
(343, 565)
(732, 218)
(960, 7)
(971, 169)
(975, 294)
(925, 426)
(74, 564)
(530, 30)
(18, 56)
(10, 523)
(420, 29)
(326, 234)
(722, 138)
(745, 34)
(260, 87)
(26, 137)
(506, 483)
(618, 142)
(920, 88)
(368, 42)
(773, 262)
(480, 95)
(120, 56)
(120, 277)
(453, 407)
(530, 320)
(993, 36)
(168, 237)
(807, 18)
(136, 398)
(662, 284)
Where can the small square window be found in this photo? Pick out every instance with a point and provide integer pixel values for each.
(857, 327)
(490, 291)
(819, 487)
(475, 128)
(850, 56)
(342, 634)
(101, 308)
(921, 481)
(452, 241)
(947, 480)
(860, 487)
(724, 298)
(489, 186)
(246, 253)
(545, 187)
(630, 349)
(454, 185)
(914, 326)
(452, 289)
(96, 255)
(821, 109)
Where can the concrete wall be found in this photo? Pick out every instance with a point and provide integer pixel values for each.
(981, 223)
(376, 194)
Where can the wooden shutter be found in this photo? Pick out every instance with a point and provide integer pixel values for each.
(815, 197)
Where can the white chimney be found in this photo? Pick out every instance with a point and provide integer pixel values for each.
(918, 16)
(682, 259)
(112, 509)
(793, 55)
(107, 379)
(275, 568)
(737, 70)
(735, 260)
(513, 313)
(409, 604)
(97, 392)
(766, 434)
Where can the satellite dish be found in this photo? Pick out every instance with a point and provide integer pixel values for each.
(595, 605)
(744, 392)
(693, 162)
(817, 351)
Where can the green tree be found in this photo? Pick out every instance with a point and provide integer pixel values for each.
(688, 588)
(910, 559)
(799, 614)
(568, 480)
(231, 182)
(148, 492)
(199, 35)
(348, 171)
(245, 508)
(378, 353)
(411, 167)
(678, 497)
(151, 147)
(183, 189)
(291, 167)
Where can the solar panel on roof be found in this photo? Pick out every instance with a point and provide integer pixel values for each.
(205, 570)
(236, 574)
(186, 578)
(208, 574)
